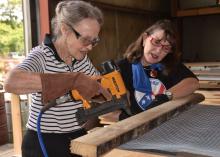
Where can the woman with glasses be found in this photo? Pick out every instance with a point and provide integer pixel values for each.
(152, 71)
(51, 70)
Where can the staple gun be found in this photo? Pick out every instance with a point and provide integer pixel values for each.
(110, 79)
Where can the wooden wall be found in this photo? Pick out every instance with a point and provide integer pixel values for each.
(153, 5)
(124, 21)
(200, 39)
(122, 26)
(198, 24)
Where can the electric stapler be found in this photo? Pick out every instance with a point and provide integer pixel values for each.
(111, 80)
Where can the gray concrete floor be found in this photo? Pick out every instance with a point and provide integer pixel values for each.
(7, 151)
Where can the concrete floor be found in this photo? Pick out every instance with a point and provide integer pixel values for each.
(7, 151)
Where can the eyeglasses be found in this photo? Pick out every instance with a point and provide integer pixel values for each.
(85, 41)
(165, 47)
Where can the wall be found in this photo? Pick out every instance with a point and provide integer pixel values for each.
(120, 29)
(200, 38)
(149, 5)
(124, 21)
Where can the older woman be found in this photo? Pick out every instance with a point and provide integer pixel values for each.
(51, 70)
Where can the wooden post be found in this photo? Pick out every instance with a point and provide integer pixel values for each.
(16, 123)
(174, 8)
(44, 18)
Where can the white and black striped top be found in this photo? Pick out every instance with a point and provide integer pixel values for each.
(61, 118)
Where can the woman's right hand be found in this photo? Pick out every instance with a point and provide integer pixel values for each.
(88, 87)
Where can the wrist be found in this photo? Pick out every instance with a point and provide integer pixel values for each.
(169, 95)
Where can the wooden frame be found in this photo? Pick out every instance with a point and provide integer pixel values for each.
(44, 18)
(176, 12)
(16, 123)
(207, 73)
(199, 11)
(105, 139)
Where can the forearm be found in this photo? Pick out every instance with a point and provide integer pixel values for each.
(185, 87)
(53, 85)
(22, 82)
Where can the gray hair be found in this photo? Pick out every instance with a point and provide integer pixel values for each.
(73, 11)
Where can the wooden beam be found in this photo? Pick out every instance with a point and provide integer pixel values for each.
(203, 64)
(199, 11)
(110, 118)
(174, 8)
(27, 24)
(209, 84)
(208, 73)
(44, 18)
(105, 139)
(211, 96)
(129, 153)
(16, 123)
(177, 12)
(131, 9)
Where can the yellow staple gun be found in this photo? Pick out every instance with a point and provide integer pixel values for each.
(110, 79)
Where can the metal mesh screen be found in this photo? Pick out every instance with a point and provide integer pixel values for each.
(195, 131)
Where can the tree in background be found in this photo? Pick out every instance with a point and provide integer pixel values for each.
(11, 27)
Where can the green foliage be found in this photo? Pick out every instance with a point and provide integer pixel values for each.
(11, 28)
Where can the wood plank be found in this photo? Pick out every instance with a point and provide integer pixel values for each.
(212, 97)
(105, 139)
(199, 11)
(207, 73)
(16, 123)
(44, 18)
(210, 94)
(209, 85)
(136, 153)
(156, 6)
(212, 102)
(202, 64)
(128, 153)
(110, 118)
(174, 8)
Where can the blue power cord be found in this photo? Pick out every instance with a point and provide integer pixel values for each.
(39, 135)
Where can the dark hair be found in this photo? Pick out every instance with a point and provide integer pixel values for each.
(135, 50)
(72, 12)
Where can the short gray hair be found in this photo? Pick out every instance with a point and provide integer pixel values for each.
(73, 11)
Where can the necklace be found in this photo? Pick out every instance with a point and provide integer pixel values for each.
(153, 73)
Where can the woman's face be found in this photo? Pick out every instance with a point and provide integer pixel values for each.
(156, 47)
(82, 37)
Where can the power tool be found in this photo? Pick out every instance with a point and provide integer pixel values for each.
(111, 80)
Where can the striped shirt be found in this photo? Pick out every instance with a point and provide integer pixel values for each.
(60, 118)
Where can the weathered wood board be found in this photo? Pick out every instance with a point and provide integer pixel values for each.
(105, 139)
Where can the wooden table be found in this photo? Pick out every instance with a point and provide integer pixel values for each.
(104, 141)
(211, 96)
(208, 74)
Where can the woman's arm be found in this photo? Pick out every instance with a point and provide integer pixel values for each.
(22, 82)
(53, 85)
(185, 87)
